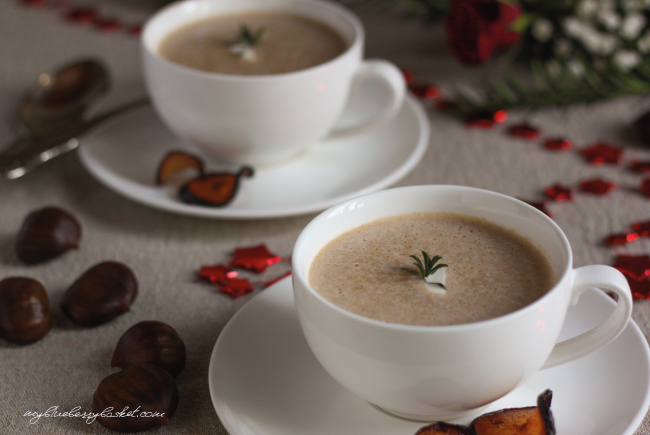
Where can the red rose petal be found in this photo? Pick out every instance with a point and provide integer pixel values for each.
(558, 144)
(602, 153)
(637, 166)
(424, 91)
(621, 239)
(236, 287)
(218, 274)
(597, 186)
(524, 131)
(643, 228)
(256, 258)
(640, 289)
(634, 267)
(108, 26)
(645, 187)
(557, 192)
(81, 16)
(273, 281)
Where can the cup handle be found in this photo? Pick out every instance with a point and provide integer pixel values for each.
(585, 278)
(394, 78)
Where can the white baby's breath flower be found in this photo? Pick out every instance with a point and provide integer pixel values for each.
(631, 5)
(542, 30)
(596, 42)
(576, 67)
(632, 26)
(573, 26)
(643, 43)
(610, 19)
(626, 59)
(587, 8)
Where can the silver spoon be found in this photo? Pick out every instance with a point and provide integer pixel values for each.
(53, 116)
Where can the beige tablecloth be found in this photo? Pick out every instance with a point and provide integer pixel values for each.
(165, 250)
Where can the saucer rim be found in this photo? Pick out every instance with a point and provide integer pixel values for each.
(115, 181)
(630, 429)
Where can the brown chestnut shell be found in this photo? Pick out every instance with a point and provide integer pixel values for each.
(102, 293)
(47, 233)
(25, 315)
(151, 342)
(141, 388)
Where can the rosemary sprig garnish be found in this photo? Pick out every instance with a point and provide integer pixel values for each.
(246, 37)
(427, 266)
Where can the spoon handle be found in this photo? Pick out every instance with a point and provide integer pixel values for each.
(25, 154)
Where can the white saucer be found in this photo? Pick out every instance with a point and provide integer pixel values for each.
(264, 379)
(126, 153)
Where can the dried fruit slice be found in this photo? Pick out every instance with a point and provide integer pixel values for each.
(214, 190)
(175, 162)
(442, 428)
(518, 421)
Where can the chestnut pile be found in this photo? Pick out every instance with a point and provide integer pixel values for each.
(533, 420)
(150, 353)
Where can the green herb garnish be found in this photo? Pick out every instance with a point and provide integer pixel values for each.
(427, 266)
(246, 37)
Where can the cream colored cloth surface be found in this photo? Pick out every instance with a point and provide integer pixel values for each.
(165, 250)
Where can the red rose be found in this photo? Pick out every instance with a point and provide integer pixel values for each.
(476, 28)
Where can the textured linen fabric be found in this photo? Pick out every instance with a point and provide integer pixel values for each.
(165, 250)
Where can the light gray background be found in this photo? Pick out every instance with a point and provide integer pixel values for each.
(166, 250)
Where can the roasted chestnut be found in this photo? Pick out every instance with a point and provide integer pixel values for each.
(148, 392)
(24, 310)
(102, 293)
(47, 233)
(151, 342)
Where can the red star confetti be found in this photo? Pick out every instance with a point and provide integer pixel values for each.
(524, 131)
(643, 228)
(558, 144)
(135, 30)
(557, 192)
(108, 26)
(645, 187)
(256, 258)
(640, 289)
(486, 120)
(33, 3)
(81, 16)
(602, 153)
(273, 281)
(445, 105)
(424, 91)
(409, 77)
(637, 166)
(635, 267)
(597, 186)
(236, 287)
(539, 205)
(218, 274)
(621, 239)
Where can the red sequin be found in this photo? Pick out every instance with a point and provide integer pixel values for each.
(558, 144)
(273, 281)
(621, 239)
(597, 186)
(602, 153)
(256, 258)
(645, 187)
(218, 274)
(634, 267)
(557, 192)
(640, 166)
(643, 228)
(81, 16)
(524, 131)
(424, 91)
(236, 287)
(108, 26)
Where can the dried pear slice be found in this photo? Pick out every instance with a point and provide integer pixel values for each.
(175, 162)
(215, 189)
(442, 428)
(534, 420)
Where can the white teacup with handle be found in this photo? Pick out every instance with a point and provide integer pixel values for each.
(265, 118)
(433, 373)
